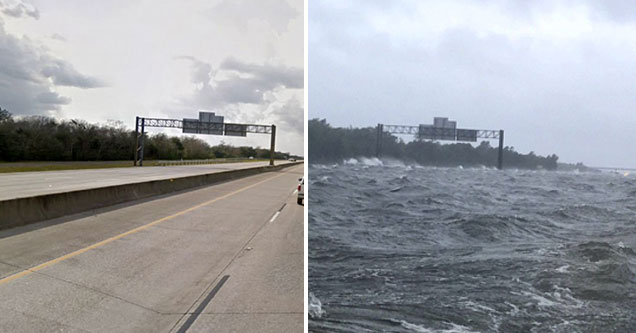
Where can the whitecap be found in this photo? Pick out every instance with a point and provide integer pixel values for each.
(541, 301)
(453, 328)
(315, 309)
(374, 161)
(563, 269)
(478, 307)
(351, 161)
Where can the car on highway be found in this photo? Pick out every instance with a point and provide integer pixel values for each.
(301, 190)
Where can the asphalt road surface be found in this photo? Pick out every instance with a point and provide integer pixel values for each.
(27, 184)
(223, 258)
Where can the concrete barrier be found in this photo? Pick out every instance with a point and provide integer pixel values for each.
(23, 211)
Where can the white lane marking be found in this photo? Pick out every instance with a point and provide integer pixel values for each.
(274, 217)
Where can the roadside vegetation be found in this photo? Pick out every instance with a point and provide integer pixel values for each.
(39, 138)
(329, 144)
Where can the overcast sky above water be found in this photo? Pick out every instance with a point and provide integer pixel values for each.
(558, 76)
(113, 60)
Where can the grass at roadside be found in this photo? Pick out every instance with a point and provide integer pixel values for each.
(6, 167)
(55, 166)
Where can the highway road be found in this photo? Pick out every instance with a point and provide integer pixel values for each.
(27, 184)
(222, 258)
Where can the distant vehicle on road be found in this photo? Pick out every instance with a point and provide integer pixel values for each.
(291, 159)
(301, 190)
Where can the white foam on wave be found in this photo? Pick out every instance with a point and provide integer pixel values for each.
(374, 161)
(454, 328)
(478, 307)
(364, 161)
(322, 166)
(564, 296)
(541, 301)
(559, 297)
(315, 307)
(514, 309)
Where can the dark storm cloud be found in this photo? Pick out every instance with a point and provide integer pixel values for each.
(17, 8)
(275, 13)
(241, 82)
(569, 95)
(26, 74)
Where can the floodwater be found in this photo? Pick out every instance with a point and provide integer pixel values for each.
(405, 248)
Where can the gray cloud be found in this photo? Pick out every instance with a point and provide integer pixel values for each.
(26, 74)
(268, 75)
(290, 116)
(242, 82)
(51, 98)
(276, 13)
(248, 93)
(64, 74)
(17, 8)
(201, 71)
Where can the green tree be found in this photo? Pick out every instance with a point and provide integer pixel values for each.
(5, 115)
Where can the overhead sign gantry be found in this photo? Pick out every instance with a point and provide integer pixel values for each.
(442, 129)
(208, 123)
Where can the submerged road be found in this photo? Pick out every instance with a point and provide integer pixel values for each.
(227, 257)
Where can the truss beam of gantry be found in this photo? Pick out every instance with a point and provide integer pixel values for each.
(428, 132)
(194, 126)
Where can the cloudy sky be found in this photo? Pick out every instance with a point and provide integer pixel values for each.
(557, 76)
(113, 60)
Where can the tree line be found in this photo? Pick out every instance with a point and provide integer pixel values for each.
(40, 138)
(329, 144)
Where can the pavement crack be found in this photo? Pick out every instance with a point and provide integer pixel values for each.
(11, 265)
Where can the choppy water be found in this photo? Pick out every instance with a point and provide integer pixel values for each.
(402, 248)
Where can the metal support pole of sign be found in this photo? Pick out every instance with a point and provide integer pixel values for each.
(378, 143)
(271, 148)
(136, 139)
(143, 134)
(501, 142)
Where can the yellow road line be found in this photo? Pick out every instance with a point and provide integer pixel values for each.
(129, 232)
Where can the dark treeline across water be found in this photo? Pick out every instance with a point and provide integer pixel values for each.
(39, 138)
(331, 144)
